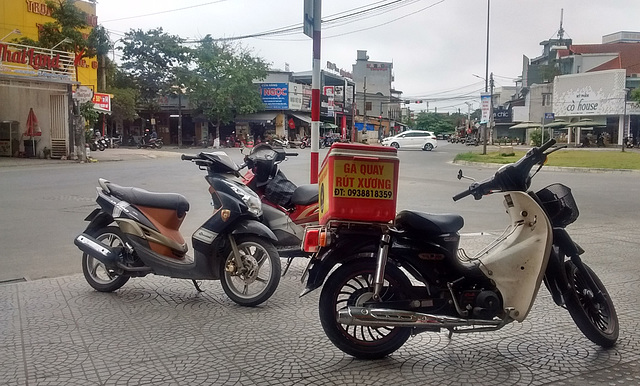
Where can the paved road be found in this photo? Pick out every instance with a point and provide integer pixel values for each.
(160, 331)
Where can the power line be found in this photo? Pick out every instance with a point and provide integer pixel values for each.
(167, 11)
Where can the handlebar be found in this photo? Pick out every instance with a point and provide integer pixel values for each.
(185, 157)
(514, 176)
(291, 154)
(462, 195)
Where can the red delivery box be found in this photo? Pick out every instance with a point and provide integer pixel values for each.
(358, 183)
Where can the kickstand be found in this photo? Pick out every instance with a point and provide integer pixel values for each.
(195, 283)
(450, 333)
(286, 268)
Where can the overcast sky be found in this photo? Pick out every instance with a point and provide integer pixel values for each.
(436, 46)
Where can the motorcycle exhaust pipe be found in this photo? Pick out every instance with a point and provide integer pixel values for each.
(385, 317)
(94, 248)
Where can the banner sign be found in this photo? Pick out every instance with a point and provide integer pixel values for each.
(102, 101)
(485, 105)
(275, 96)
(591, 93)
(36, 62)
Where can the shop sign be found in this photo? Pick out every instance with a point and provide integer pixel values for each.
(83, 94)
(593, 93)
(502, 115)
(21, 60)
(297, 97)
(275, 96)
(334, 67)
(102, 101)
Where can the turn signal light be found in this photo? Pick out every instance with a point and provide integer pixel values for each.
(314, 238)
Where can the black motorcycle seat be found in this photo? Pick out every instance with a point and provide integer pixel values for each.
(432, 223)
(305, 194)
(137, 196)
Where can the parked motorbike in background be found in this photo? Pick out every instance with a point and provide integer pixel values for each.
(305, 142)
(153, 143)
(280, 142)
(135, 233)
(287, 208)
(99, 143)
(409, 276)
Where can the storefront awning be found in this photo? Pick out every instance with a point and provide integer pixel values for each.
(101, 110)
(301, 116)
(262, 117)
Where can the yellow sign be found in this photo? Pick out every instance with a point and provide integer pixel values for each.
(363, 179)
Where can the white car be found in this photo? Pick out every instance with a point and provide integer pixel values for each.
(412, 139)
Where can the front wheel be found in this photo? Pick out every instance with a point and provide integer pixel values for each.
(395, 144)
(101, 147)
(302, 145)
(598, 321)
(95, 272)
(352, 285)
(159, 144)
(256, 279)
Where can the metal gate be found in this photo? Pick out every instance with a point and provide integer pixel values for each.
(59, 124)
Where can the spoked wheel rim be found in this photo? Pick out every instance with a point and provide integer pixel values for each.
(356, 289)
(598, 312)
(96, 269)
(356, 292)
(253, 277)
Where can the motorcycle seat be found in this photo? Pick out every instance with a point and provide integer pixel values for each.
(305, 194)
(432, 223)
(137, 196)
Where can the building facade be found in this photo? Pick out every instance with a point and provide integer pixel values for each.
(37, 84)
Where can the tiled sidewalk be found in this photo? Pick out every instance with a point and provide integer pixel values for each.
(160, 331)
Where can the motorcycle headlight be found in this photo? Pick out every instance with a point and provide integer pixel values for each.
(250, 199)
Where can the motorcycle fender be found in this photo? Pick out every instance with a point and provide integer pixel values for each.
(97, 219)
(345, 251)
(253, 227)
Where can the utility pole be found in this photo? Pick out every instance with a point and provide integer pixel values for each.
(364, 107)
(490, 123)
(486, 80)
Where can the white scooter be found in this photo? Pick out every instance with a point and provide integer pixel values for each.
(369, 306)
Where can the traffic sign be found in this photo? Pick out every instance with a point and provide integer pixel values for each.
(549, 116)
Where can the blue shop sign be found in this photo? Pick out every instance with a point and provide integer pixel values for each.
(275, 96)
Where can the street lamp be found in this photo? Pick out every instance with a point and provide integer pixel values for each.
(65, 40)
(15, 31)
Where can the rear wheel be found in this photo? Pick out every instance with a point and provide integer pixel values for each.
(257, 278)
(395, 144)
(427, 146)
(302, 145)
(95, 272)
(598, 321)
(352, 285)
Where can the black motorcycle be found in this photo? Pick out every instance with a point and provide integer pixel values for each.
(396, 280)
(134, 232)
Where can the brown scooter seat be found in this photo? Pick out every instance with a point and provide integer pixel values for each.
(305, 194)
(137, 196)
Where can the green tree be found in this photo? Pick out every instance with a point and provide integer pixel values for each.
(100, 43)
(435, 122)
(221, 81)
(68, 21)
(151, 59)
